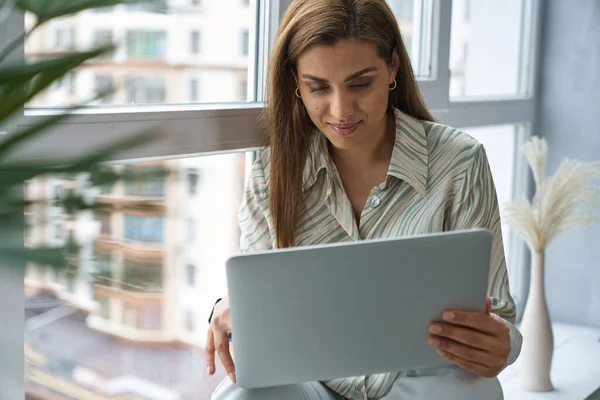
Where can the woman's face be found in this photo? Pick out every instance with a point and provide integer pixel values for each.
(345, 90)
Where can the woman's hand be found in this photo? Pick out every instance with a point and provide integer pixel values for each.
(477, 342)
(217, 339)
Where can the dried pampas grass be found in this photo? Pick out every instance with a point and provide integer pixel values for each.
(565, 201)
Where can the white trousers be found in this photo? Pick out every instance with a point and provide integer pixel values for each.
(451, 384)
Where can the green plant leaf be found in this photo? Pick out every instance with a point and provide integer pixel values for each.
(49, 9)
(18, 73)
(52, 257)
(13, 96)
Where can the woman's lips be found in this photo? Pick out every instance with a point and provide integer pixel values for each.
(345, 129)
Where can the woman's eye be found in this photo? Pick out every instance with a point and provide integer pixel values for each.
(315, 89)
(362, 85)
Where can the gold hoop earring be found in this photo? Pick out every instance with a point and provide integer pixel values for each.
(395, 85)
(297, 92)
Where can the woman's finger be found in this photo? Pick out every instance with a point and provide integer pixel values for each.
(222, 349)
(473, 367)
(467, 336)
(209, 352)
(463, 351)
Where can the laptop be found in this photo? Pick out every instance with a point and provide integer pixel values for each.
(349, 309)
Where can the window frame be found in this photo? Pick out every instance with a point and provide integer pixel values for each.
(233, 127)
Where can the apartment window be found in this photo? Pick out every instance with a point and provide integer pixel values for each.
(64, 37)
(192, 175)
(145, 90)
(67, 83)
(190, 274)
(146, 44)
(245, 42)
(194, 90)
(104, 83)
(144, 228)
(144, 181)
(142, 275)
(58, 230)
(103, 37)
(195, 44)
(155, 6)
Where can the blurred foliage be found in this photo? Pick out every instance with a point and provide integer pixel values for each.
(20, 82)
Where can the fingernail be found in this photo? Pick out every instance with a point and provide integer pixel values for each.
(232, 377)
(209, 370)
(435, 329)
(449, 316)
(434, 342)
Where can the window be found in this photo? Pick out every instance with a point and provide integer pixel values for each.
(190, 274)
(153, 70)
(146, 44)
(478, 27)
(245, 42)
(158, 47)
(155, 6)
(142, 275)
(103, 83)
(194, 90)
(195, 45)
(65, 38)
(144, 181)
(145, 90)
(103, 37)
(144, 228)
(192, 175)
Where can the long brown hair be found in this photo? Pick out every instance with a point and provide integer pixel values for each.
(289, 127)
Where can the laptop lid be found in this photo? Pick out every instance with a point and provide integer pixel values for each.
(339, 310)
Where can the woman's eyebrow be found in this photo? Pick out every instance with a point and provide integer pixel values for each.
(348, 79)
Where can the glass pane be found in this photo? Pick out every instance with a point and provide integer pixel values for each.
(416, 26)
(170, 52)
(499, 142)
(485, 48)
(128, 317)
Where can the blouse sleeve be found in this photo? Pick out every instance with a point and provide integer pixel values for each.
(255, 229)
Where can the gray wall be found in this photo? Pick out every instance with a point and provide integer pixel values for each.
(569, 119)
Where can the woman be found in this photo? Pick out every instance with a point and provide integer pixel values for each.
(354, 154)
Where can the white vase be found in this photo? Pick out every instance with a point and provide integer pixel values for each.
(538, 342)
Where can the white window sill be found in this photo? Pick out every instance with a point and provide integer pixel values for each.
(575, 366)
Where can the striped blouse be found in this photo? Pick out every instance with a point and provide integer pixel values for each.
(438, 180)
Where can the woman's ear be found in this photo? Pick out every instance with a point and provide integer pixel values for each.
(395, 64)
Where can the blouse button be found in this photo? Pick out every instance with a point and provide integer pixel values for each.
(357, 395)
(375, 201)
